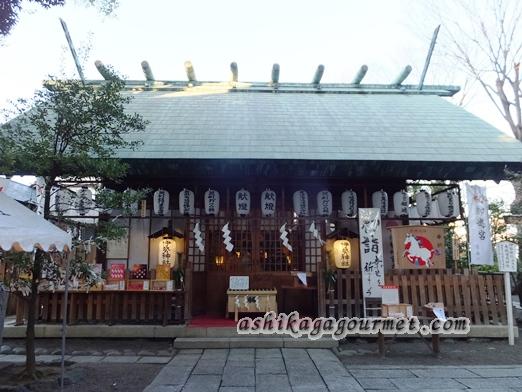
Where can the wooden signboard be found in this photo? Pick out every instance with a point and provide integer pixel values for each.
(418, 247)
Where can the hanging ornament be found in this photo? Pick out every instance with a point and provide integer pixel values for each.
(268, 203)
(243, 202)
(226, 238)
(315, 233)
(400, 203)
(212, 202)
(167, 252)
(301, 203)
(197, 238)
(349, 203)
(448, 202)
(324, 203)
(380, 201)
(423, 201)
(284, 237)
(161, 200)
(186, 202)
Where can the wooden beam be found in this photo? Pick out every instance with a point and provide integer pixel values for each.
(402, 76)
(103, 70)
(275, 74)
(428, 57)
(318, 74)
(233, 71)
(359, 76)
(191, 75)
(147, 71)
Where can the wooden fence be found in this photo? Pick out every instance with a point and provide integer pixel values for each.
(466, 293)
(109, 307)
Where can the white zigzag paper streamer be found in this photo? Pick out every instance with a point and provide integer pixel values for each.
(315, 233)
(284, 237)
(227, 239)
(197, 237)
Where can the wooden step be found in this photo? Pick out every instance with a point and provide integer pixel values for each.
(253, 342)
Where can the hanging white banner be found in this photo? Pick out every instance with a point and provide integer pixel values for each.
(372, 263)
(480, 246)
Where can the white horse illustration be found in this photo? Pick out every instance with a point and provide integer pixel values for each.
(414, 252)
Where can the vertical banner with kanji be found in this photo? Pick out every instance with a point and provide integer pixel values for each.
(372, 264)
(478, 225)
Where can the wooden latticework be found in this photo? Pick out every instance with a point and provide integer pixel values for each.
(480, 297)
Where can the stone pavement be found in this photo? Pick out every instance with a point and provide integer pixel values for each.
(317, 370)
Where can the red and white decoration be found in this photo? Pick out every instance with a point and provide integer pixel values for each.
(401, 202)
(324, 203)
(186, 202)
(243, 202)
(349, 203)
(268, 203)
(301, 203)
(380, 201)
(161, 201)
(212, 202)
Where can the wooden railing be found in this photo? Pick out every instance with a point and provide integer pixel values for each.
(466, 293)
(109, 307)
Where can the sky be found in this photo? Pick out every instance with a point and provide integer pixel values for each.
(386, 35)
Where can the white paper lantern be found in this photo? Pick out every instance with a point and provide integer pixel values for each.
(400, 203)
(349, 203)
(268, 203)
(167, 251)
(161, 202)
(324, 203)
(186, 202)
(243, 202)
(63, 200)
(434, 210)
(448, 202)
(380, 201)
(212, 202)
(84, 200)
(342, 252)
(423, 201)
(301, 203)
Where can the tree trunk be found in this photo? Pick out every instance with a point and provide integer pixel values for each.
(30, 358)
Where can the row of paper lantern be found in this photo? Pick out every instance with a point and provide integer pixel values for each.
(445, 204)
(64, 200)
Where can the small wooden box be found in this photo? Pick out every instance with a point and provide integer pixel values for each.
(251, 301)
(162, 285)
(398, 310)
(137, 285)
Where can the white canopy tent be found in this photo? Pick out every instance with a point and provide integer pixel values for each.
(22, 230)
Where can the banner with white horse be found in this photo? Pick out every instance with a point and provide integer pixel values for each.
(418, 247)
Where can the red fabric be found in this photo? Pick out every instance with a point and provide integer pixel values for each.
(211, 322)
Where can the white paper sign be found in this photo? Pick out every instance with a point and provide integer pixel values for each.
(507, 256)
(390, 295)
(372, 264)
(479, 229)
(439, 313)
(239, 283)
(302, 277)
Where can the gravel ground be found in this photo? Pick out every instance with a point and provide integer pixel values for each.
(415, 352)
(87, 378)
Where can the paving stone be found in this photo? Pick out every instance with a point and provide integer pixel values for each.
(190, 351)
(496, 372)
(85, 359)
(51, 358)
(256, 342)
(268, 353)
(384, 373)
(376, 383)
(443, 373)
(322, 355)
(209, 366)
(12, 358)
(153, 360)
(238, 377)
(492, 382)
(214, 353)
(40, 351)
(5, 349)
(163, 388)
(237, 389)
(270, 366)
(121, 359)
(309, 388)
(184, 360)
(112, 353)
(240, 363)
(185, 343)
(342, 384)
(173, 375)
(19, 350)
(146, 353)
(241, 353)
(273, 383)
(202, 383)
(426, 383)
